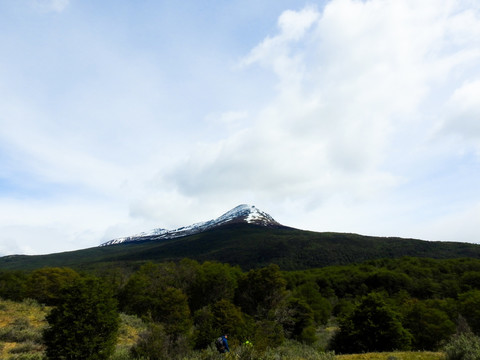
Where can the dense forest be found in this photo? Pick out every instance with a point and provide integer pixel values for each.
(379, 305)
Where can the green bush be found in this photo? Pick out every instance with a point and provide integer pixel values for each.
(465, 346)
(156, 344)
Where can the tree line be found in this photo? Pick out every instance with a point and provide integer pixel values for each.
(380, 305)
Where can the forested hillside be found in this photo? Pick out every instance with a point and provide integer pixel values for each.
(380, 305)
(249, 246)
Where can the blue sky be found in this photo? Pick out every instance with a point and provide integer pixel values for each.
(117, 117)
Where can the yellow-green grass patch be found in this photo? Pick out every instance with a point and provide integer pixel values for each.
(408, 355)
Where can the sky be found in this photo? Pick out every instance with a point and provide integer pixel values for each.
(117, 117)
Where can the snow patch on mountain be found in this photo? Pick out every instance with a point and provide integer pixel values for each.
(143, 234)
(242, 213)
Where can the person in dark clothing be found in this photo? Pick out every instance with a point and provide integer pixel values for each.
(222, 344)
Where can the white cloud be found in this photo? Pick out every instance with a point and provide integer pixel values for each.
(459, 226)
(464, 112)
(352, 83)
(275, 51)
(72, 221)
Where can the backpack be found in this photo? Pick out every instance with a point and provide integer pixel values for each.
(219, 344)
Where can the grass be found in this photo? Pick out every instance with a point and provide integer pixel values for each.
(408, 355)
(21, 326)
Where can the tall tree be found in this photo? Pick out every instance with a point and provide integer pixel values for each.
(261, 291)
(372, 326)
(214, 282)
(84, 325)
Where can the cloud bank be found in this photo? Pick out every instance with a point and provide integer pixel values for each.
(366, 95)
(354, 116)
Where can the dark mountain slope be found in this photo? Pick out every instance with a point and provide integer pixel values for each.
(250, 246)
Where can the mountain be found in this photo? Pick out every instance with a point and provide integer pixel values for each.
(249, 238)
(241, 214)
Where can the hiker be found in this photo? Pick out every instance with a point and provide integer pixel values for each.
(222, 344)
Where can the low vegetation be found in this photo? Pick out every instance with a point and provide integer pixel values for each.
(411, 355)
(21, 326)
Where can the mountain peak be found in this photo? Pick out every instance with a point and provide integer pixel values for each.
(249, 214)
(239, 214)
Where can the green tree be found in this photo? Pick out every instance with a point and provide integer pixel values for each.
(268, 334)
(470, 309)
(13, 285)
(149, 294)
(214, 282)
(205, 327)
(223, 317)
(84, 324)
(261, 291)
(390, 281)
(171, 309)
(44, 285)
(301, 321)
(229, 319)
(428, 325)
(470, 280)
(320, 306)
(372, 326)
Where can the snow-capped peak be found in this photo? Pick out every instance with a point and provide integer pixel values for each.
(242, 213)
(249, 214)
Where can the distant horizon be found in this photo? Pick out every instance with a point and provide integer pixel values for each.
(147, 234)
(333, 115)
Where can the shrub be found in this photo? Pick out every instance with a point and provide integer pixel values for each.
(465, 346)
(130, 329)
(123, 353)
(156, 344)
(26, 347)
(268, 334)
(20, 331)
(26, 357)
(29, 302)
(294, 350)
